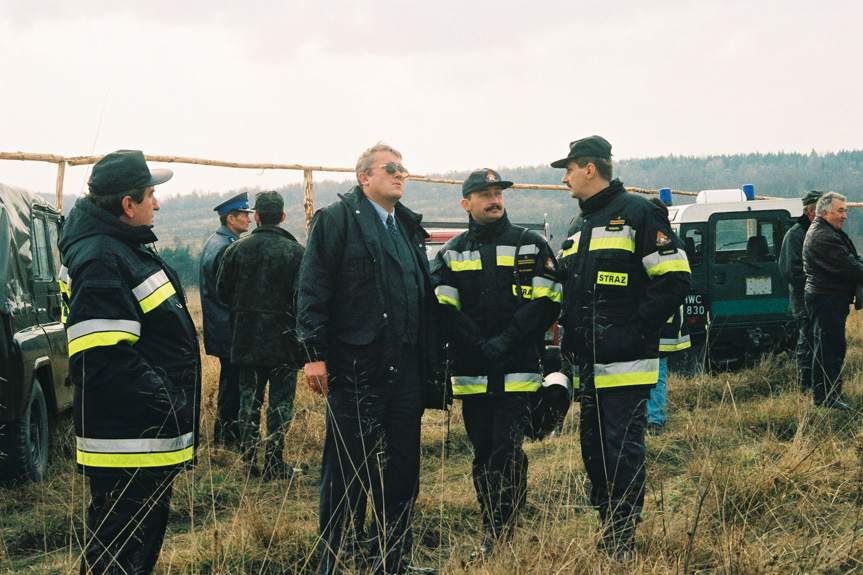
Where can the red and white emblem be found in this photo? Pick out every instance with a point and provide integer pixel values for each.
(490, 177)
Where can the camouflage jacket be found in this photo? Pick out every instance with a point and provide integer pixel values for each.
(258, 279)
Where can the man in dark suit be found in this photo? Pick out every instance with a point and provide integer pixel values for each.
(366, 306)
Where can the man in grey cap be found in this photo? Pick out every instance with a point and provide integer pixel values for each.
(258, 279)
(134, 362)
(234, 217)
(791, 267)
(623, 278)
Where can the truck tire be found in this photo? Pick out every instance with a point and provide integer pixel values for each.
(24, 443)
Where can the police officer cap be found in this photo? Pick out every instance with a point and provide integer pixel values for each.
(812, 197)
(592, 147)
(239, 203)
(481, 179)
(269, 203)
(122, 171)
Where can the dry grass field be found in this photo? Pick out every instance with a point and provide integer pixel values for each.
(748, 478)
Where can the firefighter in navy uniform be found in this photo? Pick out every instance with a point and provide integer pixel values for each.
(498, 284)
(623, 279)
(135, 364)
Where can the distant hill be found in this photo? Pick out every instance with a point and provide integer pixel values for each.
(185, 222)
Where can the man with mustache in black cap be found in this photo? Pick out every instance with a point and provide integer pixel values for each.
(497, 283)
(623, 278)
(134, 361)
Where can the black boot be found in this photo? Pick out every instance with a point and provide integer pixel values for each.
(275, 467)
(249, 461)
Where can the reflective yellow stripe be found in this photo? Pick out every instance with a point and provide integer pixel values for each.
(448, 295)
(620, 239)
(153, 300)
(656, 264)
(543, 287)
(468, 389)
(469, 384)
(100, 340)
(576, 237)
(513, 382)
(669, 266)
(101, 332)
(135, 459)
(506, 254)
(639, 372)
(612, 244)
(677, 346)
(526, 291)
(462, 261)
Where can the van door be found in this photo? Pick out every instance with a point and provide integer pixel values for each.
(746, 291)
(48, 300)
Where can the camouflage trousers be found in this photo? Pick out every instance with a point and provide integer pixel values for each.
(280, 409)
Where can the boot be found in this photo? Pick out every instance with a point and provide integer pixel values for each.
(275, 467)
(249, 457)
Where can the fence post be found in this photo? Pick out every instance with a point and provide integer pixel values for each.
(61, 174)
(308, 197)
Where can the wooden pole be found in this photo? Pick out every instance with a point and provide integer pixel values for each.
(61, 174)
(308, 197)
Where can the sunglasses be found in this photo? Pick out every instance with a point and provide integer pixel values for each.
(392, 167)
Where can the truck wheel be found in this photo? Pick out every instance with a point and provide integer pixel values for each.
(24, 443)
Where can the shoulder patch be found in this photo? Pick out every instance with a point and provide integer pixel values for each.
(662, 240)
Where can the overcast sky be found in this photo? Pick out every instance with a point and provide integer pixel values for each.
(454, 85)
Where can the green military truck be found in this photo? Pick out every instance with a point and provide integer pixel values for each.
(34, 356)
(739, 304)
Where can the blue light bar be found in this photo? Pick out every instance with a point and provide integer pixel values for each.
(749, 191)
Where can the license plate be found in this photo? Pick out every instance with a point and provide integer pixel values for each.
(759, 286)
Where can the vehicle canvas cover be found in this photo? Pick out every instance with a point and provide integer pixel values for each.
(16, 261)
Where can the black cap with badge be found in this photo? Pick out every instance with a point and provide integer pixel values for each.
(481, 179)
(122, 171)
(591, 147)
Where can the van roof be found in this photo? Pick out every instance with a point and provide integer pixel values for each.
(701, 212)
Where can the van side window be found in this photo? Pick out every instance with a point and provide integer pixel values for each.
(53, 243)
(692, 242)
(745, 239)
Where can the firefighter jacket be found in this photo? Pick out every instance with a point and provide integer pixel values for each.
(490, 293)
(258, 278)
(215, 312)
(623, 278)
(133, 349)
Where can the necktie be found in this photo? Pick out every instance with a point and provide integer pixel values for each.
(391, 226)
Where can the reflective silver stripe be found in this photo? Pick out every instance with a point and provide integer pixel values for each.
(447, 295)
(576, 237)
(454, 256)
(92, 326)
(509, 251)
(654, 259)
(63, 276)
(543, 287)
(603, 239)
(470, 380)
(525, 377)
(150, 285)
(638, 372)
(155, 445)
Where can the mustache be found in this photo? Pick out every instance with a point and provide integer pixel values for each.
(494, 207)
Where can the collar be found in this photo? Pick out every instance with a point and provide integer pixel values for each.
(382, 213)
(486, 231)
(601, 198)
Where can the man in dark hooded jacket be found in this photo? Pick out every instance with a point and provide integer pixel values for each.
(134, 361)
(258, 279)
(791, 267)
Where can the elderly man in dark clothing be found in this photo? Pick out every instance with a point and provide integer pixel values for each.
(258, 279)
(234, 217)
(791, 267)
(833, 271)
(367, 319)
